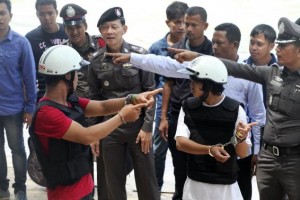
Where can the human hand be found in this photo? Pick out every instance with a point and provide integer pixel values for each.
(119, 57)
(182, 55)
(243, 129)
(130, 112)
(254, 161)
(95, 147)
(146, 141)
(163, 128)
(146, 97)
(219, 153)
(27, 119)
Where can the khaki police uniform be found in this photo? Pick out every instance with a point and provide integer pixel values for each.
(278, 170)
(109, 80)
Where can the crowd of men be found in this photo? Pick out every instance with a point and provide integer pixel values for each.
(85, 96)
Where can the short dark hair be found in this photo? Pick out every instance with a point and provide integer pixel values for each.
(233, 33)
(196, 10)
(45, 2)
(209, 85)
(176, 10)
(8, 4)
(268, 31)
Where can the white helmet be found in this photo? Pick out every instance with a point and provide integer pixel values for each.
(207, 67)
(59, 60)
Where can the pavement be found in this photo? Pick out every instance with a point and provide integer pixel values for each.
(36, 192)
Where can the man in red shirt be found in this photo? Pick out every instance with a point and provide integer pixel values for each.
(58, 130)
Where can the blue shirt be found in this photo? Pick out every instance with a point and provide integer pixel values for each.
(17, 75)
(159, 48)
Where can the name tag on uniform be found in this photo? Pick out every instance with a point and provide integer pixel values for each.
(127, 65)
(277, 81)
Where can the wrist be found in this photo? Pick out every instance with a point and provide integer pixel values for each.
(211, 147)
(122, 118)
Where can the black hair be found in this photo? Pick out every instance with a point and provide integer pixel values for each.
(233, 33)
(45, 2)
(196, 10)
(266, 30)
(8, 4)
(176, 10)
(52, 81)
(209, 85)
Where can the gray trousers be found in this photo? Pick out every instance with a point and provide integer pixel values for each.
(115, 148)
(278, 176)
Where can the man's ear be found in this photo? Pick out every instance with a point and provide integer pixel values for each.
(68, 76)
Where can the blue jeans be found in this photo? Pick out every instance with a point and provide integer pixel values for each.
(13, 126)
(160, 148)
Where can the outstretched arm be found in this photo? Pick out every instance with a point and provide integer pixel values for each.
(158, 64)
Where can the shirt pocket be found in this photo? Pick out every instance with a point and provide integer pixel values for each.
(293, 107)
(8, 60)
(130, 77)
(274, 99)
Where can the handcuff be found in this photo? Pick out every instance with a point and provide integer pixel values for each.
(234, 140)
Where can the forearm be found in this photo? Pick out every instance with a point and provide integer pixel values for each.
(87, 135)
(191, 147)
(106, 107)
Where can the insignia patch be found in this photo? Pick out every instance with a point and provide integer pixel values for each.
(281, 28)
(118, 12)
(106, 83)
(70, 11)
(127, 65)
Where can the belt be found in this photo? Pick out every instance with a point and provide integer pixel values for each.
(282, 151)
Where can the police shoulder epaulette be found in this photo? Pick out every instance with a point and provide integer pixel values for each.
(137, 49)
(97, 53)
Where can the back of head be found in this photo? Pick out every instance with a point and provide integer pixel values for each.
(45, 2)
(196, 10)
(59, 60)
(176, 10)
(233, 33)
(266, 30)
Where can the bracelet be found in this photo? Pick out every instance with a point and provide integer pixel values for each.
(239, 138)
(122, 118)
(210, 148)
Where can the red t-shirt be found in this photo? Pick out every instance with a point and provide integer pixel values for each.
(53, 123)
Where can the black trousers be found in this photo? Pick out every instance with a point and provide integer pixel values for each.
(179, 159)
(245, 177)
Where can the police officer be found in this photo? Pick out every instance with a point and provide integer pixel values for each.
(75, 26)
(108, 80)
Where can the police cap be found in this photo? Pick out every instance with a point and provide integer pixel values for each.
(72, 14)
(111, 15)
(288, 31)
